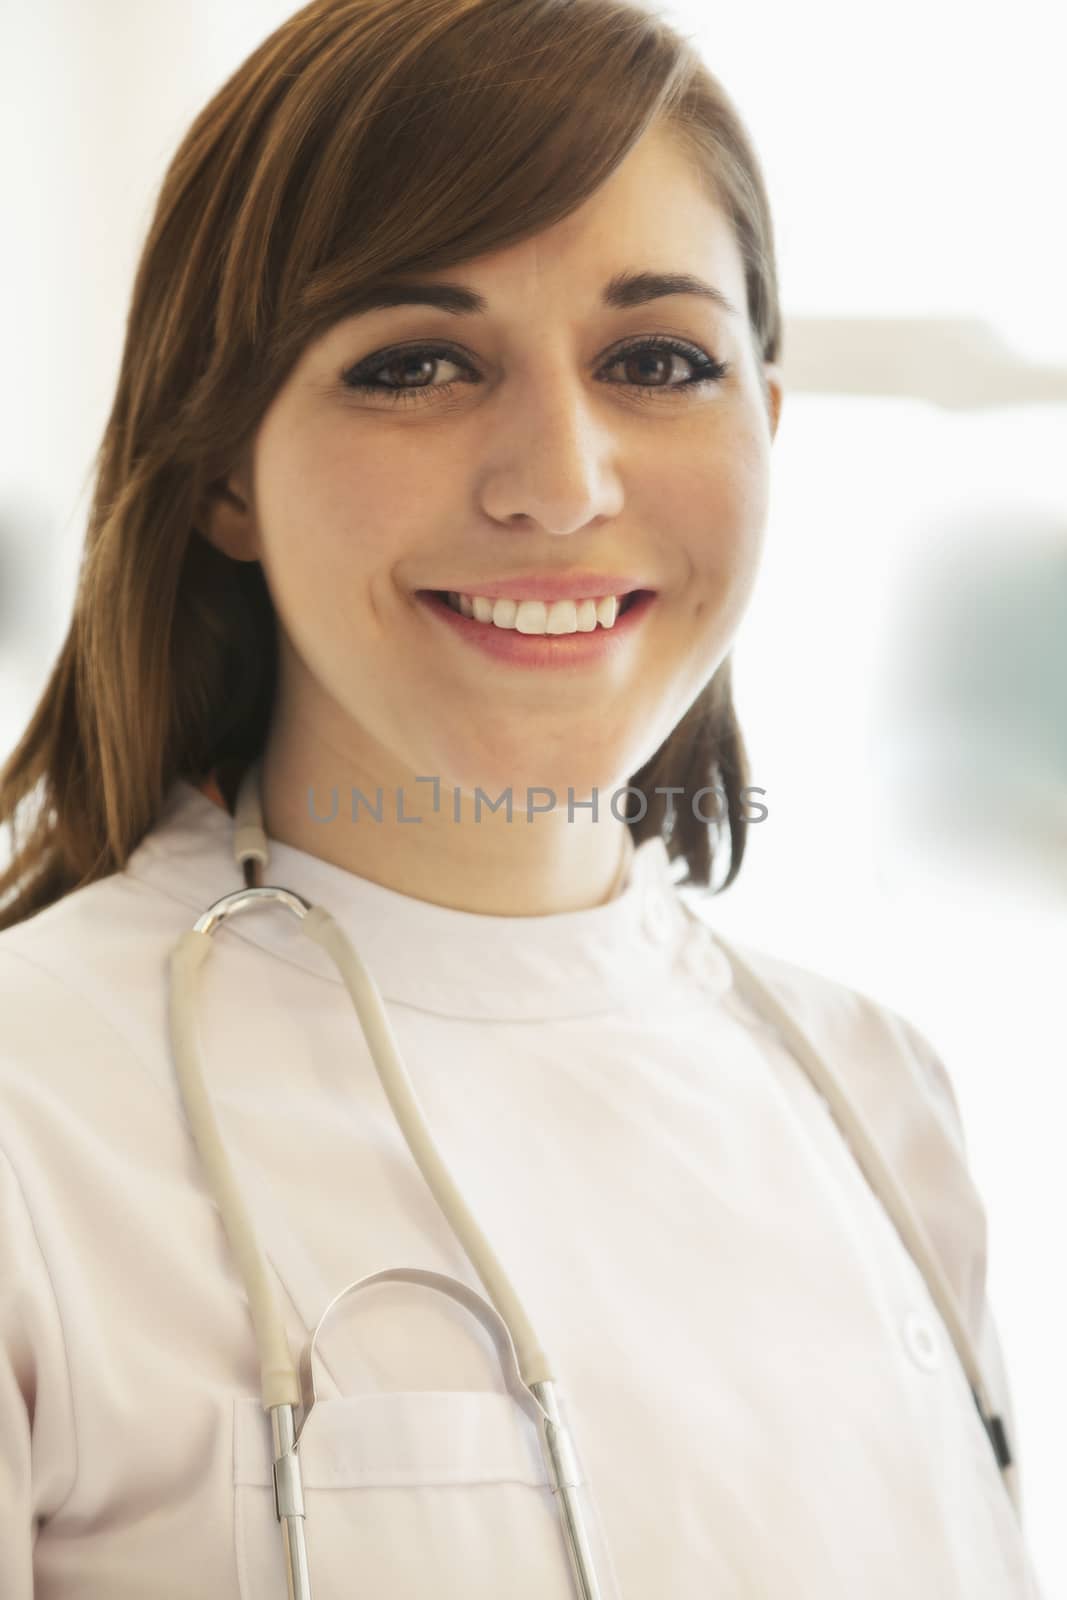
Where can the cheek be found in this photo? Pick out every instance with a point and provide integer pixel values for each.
(717, 509)
(333, 515)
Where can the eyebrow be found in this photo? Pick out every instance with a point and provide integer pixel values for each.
(624, 290)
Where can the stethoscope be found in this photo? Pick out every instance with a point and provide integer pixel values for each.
(527, 1369)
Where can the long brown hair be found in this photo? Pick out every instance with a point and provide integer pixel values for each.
(362, 139)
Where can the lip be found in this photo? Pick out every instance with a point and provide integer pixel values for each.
(549, 586)
(543, 651)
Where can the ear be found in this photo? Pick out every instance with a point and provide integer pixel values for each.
(772, 377)
(227, 516)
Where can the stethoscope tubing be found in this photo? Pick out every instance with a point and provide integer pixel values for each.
(280, 1383)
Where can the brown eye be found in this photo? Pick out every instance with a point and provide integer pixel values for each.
(642, 360)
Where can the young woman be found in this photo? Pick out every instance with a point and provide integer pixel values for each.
(428, 510)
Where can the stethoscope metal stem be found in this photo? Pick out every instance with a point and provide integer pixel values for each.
(289, 1502)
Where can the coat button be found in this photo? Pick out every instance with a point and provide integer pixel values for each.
(921, 1342)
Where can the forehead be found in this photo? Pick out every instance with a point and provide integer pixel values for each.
(654, 210)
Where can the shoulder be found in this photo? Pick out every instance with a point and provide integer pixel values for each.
(899, 1088)
(102, 938)
(891, 1066)
(895, 1078)
(93, 932)
(83, 996)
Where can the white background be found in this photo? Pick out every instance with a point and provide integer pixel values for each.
(916, 845)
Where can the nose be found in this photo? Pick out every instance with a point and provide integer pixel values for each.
(549, 459)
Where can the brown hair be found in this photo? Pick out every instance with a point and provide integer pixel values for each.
(362, 139)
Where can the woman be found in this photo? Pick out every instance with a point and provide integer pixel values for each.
(470, 300)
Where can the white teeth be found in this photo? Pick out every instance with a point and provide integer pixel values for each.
(535, 616)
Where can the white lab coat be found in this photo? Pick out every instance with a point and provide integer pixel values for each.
(764, 1400)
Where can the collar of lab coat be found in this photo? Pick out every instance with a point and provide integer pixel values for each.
(433, 957)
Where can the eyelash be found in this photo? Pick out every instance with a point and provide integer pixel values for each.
(706, 370)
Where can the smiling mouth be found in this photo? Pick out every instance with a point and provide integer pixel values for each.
(625, 602)
(605, 638)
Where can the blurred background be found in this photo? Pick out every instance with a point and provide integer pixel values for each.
(902, 673)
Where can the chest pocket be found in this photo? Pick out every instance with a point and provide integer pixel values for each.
(416, 1492)
(410, 1493)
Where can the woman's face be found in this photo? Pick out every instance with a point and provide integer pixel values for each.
(525, 444)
